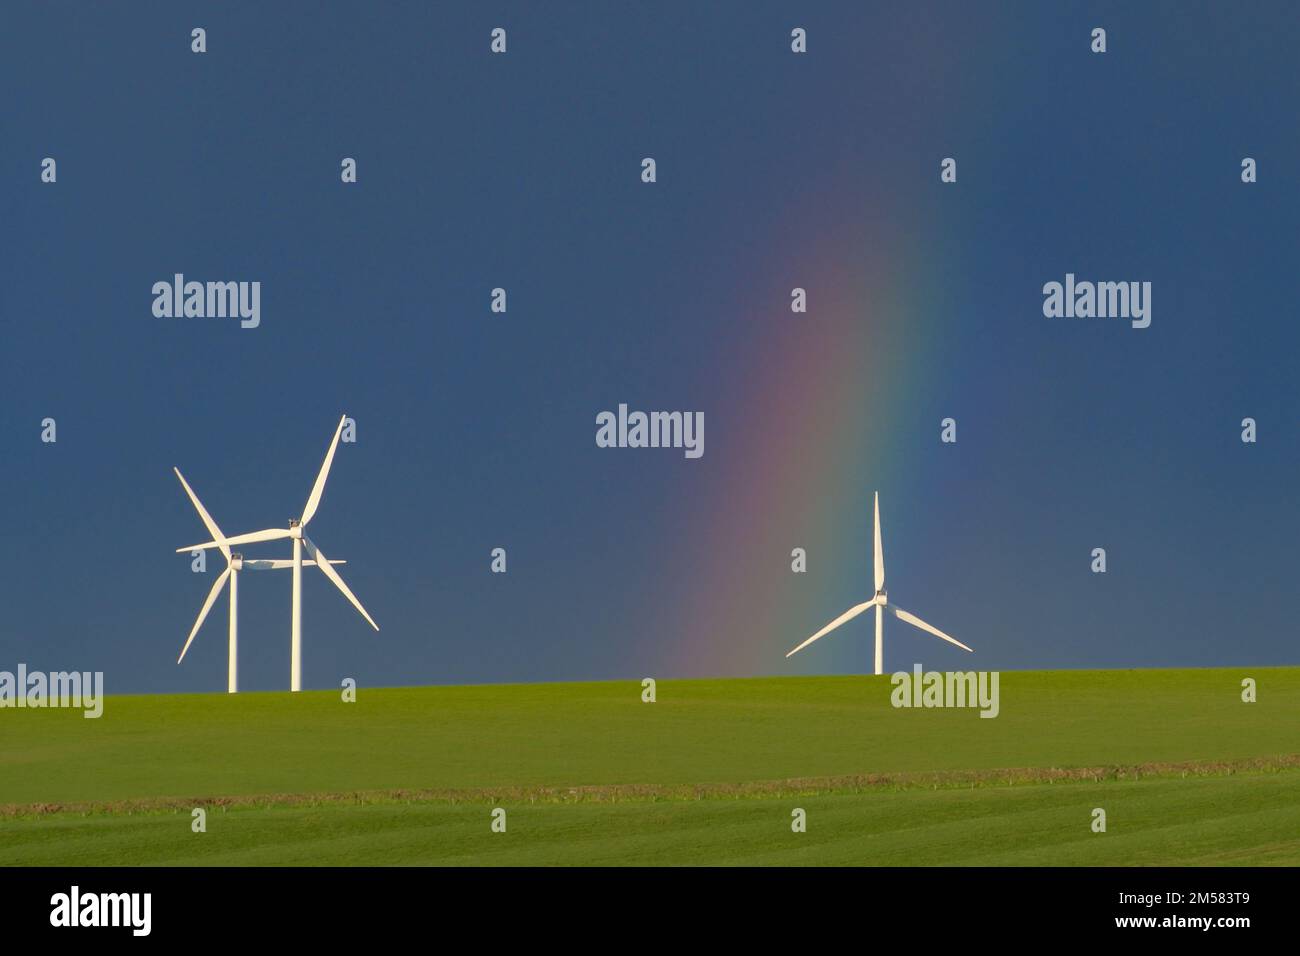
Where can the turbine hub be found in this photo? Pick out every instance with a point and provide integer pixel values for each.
(882, 598)
(236, 561)
(295, 529)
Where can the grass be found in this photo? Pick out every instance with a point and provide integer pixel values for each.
(1238, 819)
(1187, 773)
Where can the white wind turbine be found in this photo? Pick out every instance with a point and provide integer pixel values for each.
(881, 603)
(300, 541)
(234, 564)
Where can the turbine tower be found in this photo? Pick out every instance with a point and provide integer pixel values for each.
(234, 564)
(881, 603)
(295, 531)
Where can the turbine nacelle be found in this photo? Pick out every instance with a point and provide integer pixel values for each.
(881, 598)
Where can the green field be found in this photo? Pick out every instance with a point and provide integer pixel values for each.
(708, 774)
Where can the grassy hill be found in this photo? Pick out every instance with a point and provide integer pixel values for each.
(709, 773)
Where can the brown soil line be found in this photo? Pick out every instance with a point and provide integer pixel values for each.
(798, 786)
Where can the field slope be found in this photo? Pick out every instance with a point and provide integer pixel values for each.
(710, 773)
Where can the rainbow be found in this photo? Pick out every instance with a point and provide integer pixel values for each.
(801, 432)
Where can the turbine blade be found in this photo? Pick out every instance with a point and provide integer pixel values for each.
(203, 614)
(917, 622)
(848, 615)
(203, 513)
(318, 489)
(270, 534)
(880, 550)
(325, 565)
(261, 564)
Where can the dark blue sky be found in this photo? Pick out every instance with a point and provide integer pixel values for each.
(477, 430)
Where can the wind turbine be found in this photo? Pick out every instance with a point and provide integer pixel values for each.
(881, 603)
(300, 541)
(234, 564)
